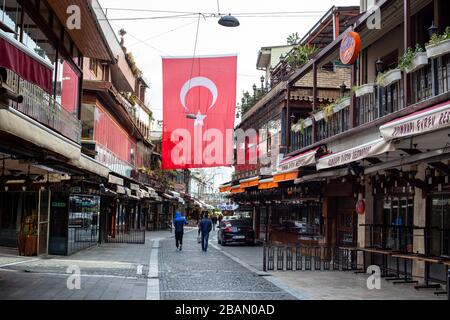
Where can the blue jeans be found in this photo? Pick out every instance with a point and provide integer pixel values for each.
(205, 239)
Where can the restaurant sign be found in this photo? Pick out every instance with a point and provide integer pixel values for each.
(420, 122)
(367, 150)
(350, 47)
(302, 160)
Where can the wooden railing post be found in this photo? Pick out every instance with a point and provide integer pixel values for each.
(315, 105)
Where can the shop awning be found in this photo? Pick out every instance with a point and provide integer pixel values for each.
(431, 119)
(143, 194)
(237, 189)
(287, 176)
(168, 196)
(225, 188)
(130, 194)
(24, 62)
(302, 160)
(248, 183)
(267, 184)
(367, 150)
(91, 165)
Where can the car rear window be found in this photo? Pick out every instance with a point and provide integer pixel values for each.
(240, 222)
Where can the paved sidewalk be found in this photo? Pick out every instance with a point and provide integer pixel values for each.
(324, 285)
(108, 272)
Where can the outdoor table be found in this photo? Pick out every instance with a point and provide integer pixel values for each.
(385, 255)
(405, 258)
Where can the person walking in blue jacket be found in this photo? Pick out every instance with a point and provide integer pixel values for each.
(205, 227)
(179, 222)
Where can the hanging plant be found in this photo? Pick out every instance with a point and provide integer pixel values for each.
(409, 56)
(438, 38)
(328, 112)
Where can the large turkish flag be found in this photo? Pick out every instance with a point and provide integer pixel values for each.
(199, 111)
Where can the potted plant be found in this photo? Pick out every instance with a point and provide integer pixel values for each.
(317, 114)
(413, 60)
(439, 44)
(341, 104)
(28, 237)
(364, 90)
(389, 77)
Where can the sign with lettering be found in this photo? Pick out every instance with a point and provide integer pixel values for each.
(420, 122)
(302, 160)
(350, 47)
(367, 150)
(115, 180)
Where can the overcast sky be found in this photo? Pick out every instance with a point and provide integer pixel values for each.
(149, 40)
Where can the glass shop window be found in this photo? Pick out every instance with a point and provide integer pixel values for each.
(439, 226)
(84, 213)
(89, 114)
(398, 214)
(10, 12)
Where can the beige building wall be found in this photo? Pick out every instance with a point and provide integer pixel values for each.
(420, 215)
(367, 218)
(387, 44)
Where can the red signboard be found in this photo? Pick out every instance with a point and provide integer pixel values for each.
(361, 207)
(350, 47)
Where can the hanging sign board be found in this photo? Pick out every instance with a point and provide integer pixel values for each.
(350, 48)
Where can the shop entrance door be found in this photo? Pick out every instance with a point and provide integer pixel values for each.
(346, 222)
(43, 222)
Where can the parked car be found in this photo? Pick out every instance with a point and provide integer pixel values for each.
(228, 218)
(236, 231)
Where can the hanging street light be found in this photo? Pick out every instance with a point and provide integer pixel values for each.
(229, 21)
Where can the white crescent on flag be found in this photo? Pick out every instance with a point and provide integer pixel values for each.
(199, 82)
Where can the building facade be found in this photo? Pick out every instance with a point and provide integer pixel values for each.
(378, 177)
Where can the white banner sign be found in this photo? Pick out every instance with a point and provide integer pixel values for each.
(302, 160)
(367, 150)
(420, 122)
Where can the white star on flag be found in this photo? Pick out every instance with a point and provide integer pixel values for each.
(199, 119)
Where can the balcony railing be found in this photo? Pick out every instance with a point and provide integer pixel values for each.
(41, 106)
(300, 140)
(374, 102)
(335, 124)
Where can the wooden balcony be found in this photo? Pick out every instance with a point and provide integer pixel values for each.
(375, 102)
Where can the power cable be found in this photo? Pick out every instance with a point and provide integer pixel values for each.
(145, 43)
(211, 13)
(163, 33)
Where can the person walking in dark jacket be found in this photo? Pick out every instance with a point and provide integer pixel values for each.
(179, 222)
(205, 228)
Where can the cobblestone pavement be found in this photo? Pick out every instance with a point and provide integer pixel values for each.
(195, 275)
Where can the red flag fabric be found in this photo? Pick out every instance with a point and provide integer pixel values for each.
(199, 111)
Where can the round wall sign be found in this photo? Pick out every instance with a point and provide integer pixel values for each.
(361, 207)
(350, 47)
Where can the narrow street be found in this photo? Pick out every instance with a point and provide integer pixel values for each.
(192, 274)
(123, 271)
